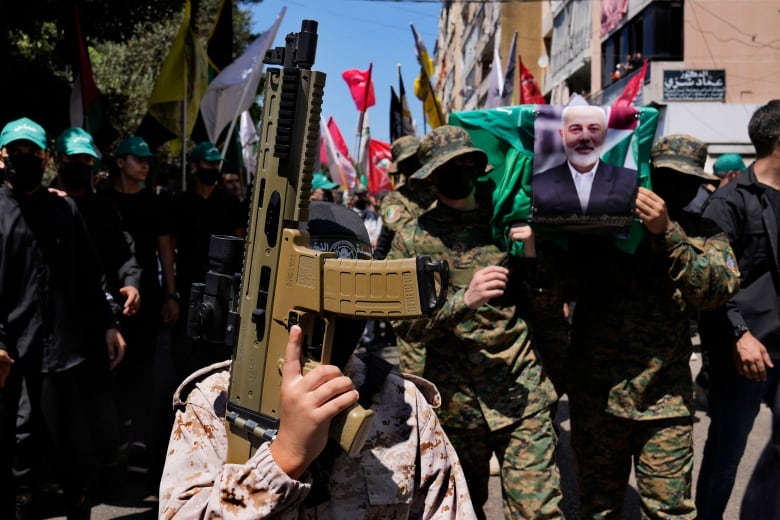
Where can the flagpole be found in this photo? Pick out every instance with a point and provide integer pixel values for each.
(184, 133)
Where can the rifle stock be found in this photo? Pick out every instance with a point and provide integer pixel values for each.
(284, 282)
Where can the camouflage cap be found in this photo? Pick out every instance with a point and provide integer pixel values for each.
(401, 149)
(683, 153)
(441, 145)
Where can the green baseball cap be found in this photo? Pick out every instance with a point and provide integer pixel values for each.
(682, 153)
(729, 162)
(74, 141)
(319, 181)
(441, 145)
(23, 129)
(135, 146)
(206, 151)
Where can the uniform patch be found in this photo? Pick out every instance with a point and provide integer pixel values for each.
(731, 263)
(392, 214)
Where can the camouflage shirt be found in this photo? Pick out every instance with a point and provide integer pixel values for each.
(401, 206)
(408, 468)
(631, 340)
(481, 360)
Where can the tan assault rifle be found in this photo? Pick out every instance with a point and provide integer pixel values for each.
(284, 282)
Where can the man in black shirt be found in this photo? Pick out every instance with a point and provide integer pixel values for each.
(203, 210)
(51, 306)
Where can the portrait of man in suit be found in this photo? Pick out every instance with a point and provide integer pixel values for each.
(583, 189)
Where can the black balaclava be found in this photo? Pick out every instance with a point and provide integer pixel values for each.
(75, 175)
(24, 171)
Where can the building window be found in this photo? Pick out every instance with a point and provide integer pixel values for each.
(655, 33)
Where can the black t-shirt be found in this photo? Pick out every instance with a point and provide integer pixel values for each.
(195, 219)
(114, 245)
(145, 218)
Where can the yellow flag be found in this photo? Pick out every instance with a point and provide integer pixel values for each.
(422, 84)
(182, 81)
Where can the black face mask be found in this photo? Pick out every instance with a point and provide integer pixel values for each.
(208, 176)
(455, 185)
(76, 175)
(25, 171)
(676, 188)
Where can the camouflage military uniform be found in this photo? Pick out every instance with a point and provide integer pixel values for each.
(483, 363)
(407, 470)
(399, 208)
(630, 388)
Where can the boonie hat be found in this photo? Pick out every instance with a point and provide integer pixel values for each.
(728, 162)
(206, 151)
(683, 153)
(401, 149)
(443, 144)
(358, 190)
(134, 146)
(319, 181)
(74, 141)
(23, 129)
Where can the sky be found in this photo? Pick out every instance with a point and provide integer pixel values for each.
(351, 34)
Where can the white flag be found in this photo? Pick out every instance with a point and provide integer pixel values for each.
(341, 169)
(496, 86)
(233, 90)
(247, 131)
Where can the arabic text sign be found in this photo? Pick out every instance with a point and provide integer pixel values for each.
(698, 85)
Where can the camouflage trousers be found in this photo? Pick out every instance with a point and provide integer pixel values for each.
(530, 480)
(604, 448)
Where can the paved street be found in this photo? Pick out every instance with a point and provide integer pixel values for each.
(143, 506)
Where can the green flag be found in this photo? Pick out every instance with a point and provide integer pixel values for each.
(507, 136)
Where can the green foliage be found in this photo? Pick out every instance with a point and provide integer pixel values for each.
(127, 43)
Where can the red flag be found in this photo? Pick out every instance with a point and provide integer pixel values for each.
(85, 93)
(529, 90)
(338, 142)
(361, 87)
(340, 167)
(379, 159)
(633, 86)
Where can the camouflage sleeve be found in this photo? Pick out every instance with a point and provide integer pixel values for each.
(441, 324)
(704, 269)
(197, 483)
(443, 491)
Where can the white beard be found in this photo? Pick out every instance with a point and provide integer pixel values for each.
(584, 161)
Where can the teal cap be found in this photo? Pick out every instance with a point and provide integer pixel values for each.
(74, 141)
(206, 151)
(134, 146)
(319, 181)
(23, 129)
(728, 162)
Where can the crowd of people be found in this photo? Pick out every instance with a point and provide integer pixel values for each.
(94, 290)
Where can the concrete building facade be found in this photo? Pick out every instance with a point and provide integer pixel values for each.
(711, 63)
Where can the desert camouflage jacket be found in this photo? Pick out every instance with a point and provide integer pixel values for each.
(408, 468)
(481, 360)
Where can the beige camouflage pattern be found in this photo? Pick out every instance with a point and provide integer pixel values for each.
(408, 468)
(630, 387)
